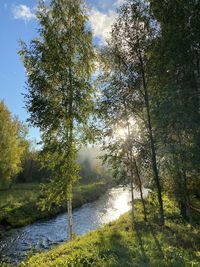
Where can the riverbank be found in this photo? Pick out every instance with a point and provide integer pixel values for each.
(117, 244)
(19, 205)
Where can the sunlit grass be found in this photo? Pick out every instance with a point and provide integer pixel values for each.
(117, 244)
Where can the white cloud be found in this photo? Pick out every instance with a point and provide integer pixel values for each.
(23, 12)
(101, 23)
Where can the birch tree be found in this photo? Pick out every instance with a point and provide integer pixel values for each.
(118, 121)
(133, 34)
(59, 63)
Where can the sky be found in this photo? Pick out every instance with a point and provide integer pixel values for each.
(17, 20)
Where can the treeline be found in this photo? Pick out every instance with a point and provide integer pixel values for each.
(150, 84)
(20, 162)
(33, 171)
(13, 145)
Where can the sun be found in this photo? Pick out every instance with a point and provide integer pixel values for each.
(122, 132)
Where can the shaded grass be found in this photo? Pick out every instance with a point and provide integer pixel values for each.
(18, 205)
(121, 244)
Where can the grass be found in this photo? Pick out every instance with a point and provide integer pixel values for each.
(118, 244)
(18, 205)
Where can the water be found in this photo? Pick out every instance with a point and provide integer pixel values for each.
(41, 235)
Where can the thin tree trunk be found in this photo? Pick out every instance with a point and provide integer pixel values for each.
(181, 188)
(133, 163)
(69, 207)
(197, 76)
(131, 187)
(187, 197)
(152, 143)
(140, 188)
(181, 193)
(187, 213)
(132, 203)
(71, 126)
(129, 157)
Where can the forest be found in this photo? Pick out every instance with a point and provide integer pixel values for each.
(124, 114)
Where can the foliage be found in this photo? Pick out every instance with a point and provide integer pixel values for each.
(59, 64)
(12, 145)
(175, 96)
(126, 98)
(32, 170)
(151, 85)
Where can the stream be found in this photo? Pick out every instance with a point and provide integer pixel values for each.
(43, 234)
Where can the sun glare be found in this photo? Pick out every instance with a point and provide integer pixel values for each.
(122, 133)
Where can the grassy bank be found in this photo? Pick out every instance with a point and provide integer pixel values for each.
(117, 244)
(18, 205)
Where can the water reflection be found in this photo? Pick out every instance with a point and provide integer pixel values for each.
(43, 234)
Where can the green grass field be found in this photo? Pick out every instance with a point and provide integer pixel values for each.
(117, 244)
(17, 194)
(18, 205)
(14, 203)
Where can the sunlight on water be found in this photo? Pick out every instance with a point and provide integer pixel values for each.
(43, 234)
(118, 204)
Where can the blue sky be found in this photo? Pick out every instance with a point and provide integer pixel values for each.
(17, 22)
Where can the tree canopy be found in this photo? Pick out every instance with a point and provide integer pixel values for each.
(12, 145)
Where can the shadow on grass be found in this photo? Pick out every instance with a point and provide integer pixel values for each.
(129, 251)
(142, 228)
(115, 246)
(158, 245)
(137, 227)
(183, 237)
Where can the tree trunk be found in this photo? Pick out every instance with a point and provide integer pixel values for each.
(152, 143)
(132, 203)
(185, 205)
(69, 207)
(187, 198)
(140, 188)
(71, 127)
(197, 76)
(130, 169)
(183, 209)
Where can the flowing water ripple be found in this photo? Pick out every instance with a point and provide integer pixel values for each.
(43, 234)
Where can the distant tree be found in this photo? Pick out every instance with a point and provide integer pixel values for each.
(59, 64)
(91, 171)
(12, 145)
(32, 170)
(86, 171)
